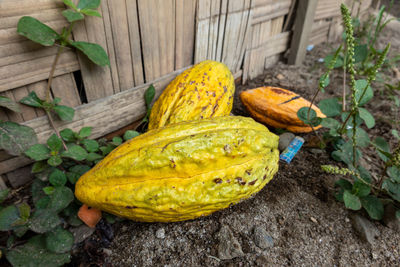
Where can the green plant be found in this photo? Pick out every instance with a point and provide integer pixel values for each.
(39, 234)
(346, 136)
(42, 34)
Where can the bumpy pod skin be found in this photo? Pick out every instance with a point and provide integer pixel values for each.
(278, 108)
(183, 171)
(204, 91)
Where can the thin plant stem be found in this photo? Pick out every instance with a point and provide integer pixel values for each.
(55, 128)
(53, 68)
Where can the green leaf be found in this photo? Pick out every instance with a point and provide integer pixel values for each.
(398, 214)
(117, 140)
(360, 53)
(107, 149)
(149, 95)
(60, 199)
(72, 15)
(54, 143)
(90, 12)
(93, 157)
(364, 173)
(306, 117)
(369, 94)
(8, 216)
(48, 190)
(70, 4)
(4, 194)
(362, 137)
(75, 152)
(24, 211)
(91, 4)
(57, 178)
(42, 203)
(90, 145)
(68, 135)
(44, 220)
(32, 100)
(15, 138)
(59, 240)
(79, 169)
(65, 113)
(373, 206)
(333, 125)
(394, 173)
(9, 104)
(37, 190)
(383, 148)
(38, 152)
(330, 107)
(39, 166)
(393, 189)
(395, 133)
(36, 31)
(344, 184)
(351, 201)
(85, 132)
(34, 253)
(94, 52)
(329, 58)
(324, 80)
(130, 134)
(54, 160)
(360, 189)
(367, 117)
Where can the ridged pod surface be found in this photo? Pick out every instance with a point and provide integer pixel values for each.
(204, 91)
(183, 171)
(278, 108)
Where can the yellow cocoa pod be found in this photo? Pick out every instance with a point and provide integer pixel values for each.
(204, 91)
(183, 171)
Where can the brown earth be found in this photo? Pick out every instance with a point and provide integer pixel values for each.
(297, 209)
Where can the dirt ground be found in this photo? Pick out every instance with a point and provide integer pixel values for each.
(297, 209)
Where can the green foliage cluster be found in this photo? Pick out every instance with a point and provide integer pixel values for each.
(347, 135)
(16, 138)
(38, 232)
(54, 207)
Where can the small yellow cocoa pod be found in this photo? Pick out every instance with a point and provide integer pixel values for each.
(183, 171)
(204, 91)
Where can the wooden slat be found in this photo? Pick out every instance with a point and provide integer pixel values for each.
(156, 28)
(202, 30)
(13, 116)
(14, 8)
(166, 33)
(2, 182)
(119, 26)
(64, 87)
(97, 80)
(134, 35)
(221, 29)
(27, 113)
(23, 73)
(255, 59)
(270, 11)
(184, 32)
(44, 16)
(302, 28)
(13, 163)
(236, 25)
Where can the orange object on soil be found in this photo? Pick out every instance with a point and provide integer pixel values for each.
(278, 108)
(90, 216)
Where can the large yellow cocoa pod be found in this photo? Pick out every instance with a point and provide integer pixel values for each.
(204, 91)
(183, 171)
